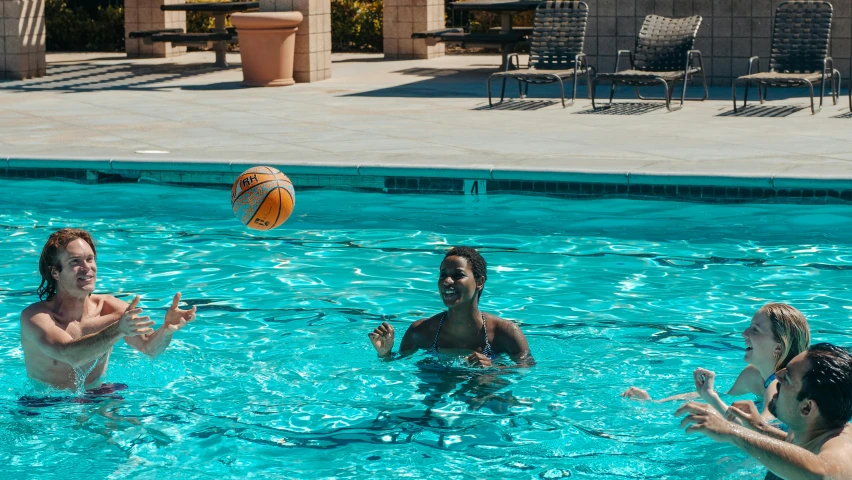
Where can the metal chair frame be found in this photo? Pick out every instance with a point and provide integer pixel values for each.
(668, 87)
(693, 64)
(762, 85)
(581, 65)
(580, 61)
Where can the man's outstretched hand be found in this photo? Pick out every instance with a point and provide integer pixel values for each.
(176, 318)
(131, 324)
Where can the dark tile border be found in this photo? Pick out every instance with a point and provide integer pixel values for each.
(45, 173)
(581, 190)
(435, 185)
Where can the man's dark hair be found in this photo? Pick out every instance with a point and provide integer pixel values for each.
(474, 259)
(54, 246)
(828, 382)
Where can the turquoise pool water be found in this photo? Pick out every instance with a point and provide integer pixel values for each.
(276, 379)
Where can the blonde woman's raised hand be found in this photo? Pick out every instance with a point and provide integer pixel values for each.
(704, 381)
(637, 393)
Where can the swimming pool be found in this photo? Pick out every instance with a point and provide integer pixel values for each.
(276, 379)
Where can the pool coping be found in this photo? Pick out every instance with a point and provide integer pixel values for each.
(486, 172)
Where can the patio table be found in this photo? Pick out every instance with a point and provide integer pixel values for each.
(219, 10)
(506, 9)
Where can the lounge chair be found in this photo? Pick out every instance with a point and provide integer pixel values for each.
(556, 51)
(664, 55)
(799, 56)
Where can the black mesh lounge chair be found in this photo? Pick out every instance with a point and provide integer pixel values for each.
(799, 55)
(556, 52)
(663, 56)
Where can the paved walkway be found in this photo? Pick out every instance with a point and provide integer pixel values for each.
(426, 117)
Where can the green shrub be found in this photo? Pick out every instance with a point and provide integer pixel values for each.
(356, 25)
(203, 22)
(74, 29)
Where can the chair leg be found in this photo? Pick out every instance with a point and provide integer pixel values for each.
(822, 90)
(683, 93)
(589, 84)
(762, 91)
(835, 86)
(561, 91)
(521, 89)
(574, 81)
(594, 84)
(488, 89)
(611, 93)
(692, 83)
(734, 93)
(811, 88)
(503, 90)
(667, 93)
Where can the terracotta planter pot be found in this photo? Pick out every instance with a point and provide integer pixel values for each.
(267, 45)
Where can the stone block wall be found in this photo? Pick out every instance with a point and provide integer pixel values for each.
(403, 17)
(731, 31)
(22, 39)
(312, 61)
(141, 15)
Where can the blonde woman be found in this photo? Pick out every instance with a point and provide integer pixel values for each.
(777, 333)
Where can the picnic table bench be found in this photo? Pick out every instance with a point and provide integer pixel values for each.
(220, 37)
(506, 37)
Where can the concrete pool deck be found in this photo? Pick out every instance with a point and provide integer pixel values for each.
(417, 118)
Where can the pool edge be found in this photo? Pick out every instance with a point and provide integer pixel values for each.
(469, 179)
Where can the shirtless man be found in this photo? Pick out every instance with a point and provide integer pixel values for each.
(71, 332)
(814, 399)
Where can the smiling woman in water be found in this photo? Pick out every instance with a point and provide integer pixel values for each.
(777, 333)
(463, 328)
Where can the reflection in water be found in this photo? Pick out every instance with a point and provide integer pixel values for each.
(442, 375)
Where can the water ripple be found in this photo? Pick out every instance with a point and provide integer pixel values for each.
(277, 378)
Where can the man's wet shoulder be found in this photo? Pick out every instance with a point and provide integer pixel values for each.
(35, 309)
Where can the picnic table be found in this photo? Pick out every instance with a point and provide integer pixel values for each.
(220, 37)
(506, 36)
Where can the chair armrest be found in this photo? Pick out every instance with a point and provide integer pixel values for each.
(620, 54)
(582, 60)
(828, 66)
(689, 56)
(693, 54)
(751, 63)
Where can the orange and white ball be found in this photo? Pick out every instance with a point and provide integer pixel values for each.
(262, 198)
